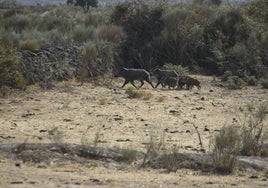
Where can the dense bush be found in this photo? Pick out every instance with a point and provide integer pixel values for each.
(235, 43)
(142, 24)
(264, 83)
(234, 82)
(10, 74)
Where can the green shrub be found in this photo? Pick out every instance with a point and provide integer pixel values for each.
(55, 38)
(226, 146)
(251, 80)
(9, 68)
(226, 75)
(142, 24)
(82, 34)
(129, 155)
(9, 13)
(17, 23)
(264, 83)
(111, 33)
(133, 93)
(178, 68)
(136, 93)
(8, 38)
(234, 82)
(89, 52)
(95, 18)
(49, 22)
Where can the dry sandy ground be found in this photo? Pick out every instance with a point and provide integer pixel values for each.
(104, 115)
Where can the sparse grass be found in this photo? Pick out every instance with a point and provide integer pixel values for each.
(55, 135)
(21, 147)
(95, 18)
(170, 159)
(133, 93)
(111, 33)
(82, 34)
(17, 22)
(157, 144)
(97, 139)
(155, 147)
(89, 142)
(146, 95)
(254, 130)
(129, 155)
(226, 146)
(29, 44)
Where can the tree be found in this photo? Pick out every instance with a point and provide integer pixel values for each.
(85, 4)
(216, 2)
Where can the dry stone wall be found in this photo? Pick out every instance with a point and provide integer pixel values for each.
(50, 64)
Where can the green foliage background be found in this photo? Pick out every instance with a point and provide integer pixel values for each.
(205, 38)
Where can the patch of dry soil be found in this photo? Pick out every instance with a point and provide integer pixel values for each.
(103, 115)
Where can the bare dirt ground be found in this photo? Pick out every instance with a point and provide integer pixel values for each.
(103, 115)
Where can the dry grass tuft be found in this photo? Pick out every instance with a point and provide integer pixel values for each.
(136, 93)
(103, 101)
(226, 148)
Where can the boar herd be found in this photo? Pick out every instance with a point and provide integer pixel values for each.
(168, 78)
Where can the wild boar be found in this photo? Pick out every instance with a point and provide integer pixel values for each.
(162, 74)
(131, 75)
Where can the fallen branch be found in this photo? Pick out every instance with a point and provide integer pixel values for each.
(199, 137)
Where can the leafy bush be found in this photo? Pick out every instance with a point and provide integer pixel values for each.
(234, 82)
(202, 37)
(264, 83)
(226, 146)
(235, 44)
(9, 68)
(251, 80)
(226, 75)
